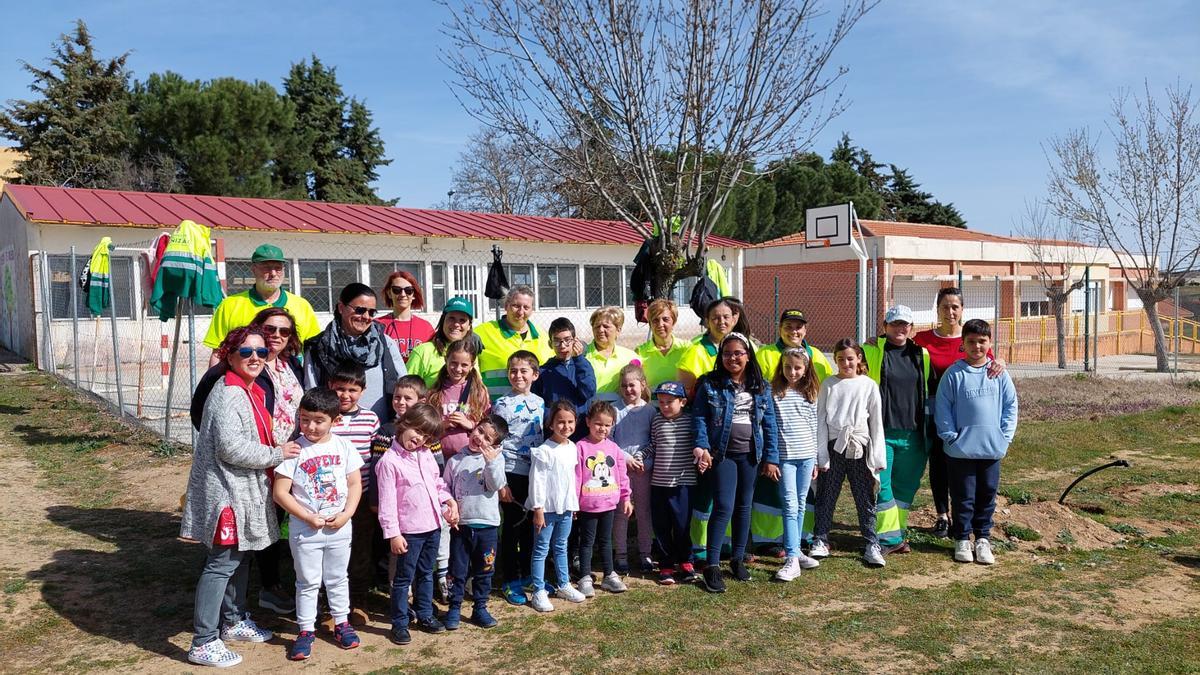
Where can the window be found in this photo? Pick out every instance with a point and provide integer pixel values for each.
(121, 269)
(602, 286)
(682, 292)
(517, 275)
(558, 286)
(238, 276)
(1035, 308)
(322, 280)
(436, 293)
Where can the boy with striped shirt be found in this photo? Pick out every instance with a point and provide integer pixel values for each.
(672, 468)
(358, 426)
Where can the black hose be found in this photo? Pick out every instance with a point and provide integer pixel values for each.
(1119, 462)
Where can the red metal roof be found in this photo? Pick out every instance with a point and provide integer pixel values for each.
(77, 206)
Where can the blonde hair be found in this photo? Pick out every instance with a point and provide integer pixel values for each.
(611, 314)
(807, 385)
(659, 306)
(635, 370)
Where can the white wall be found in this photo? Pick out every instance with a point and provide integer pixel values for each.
(16, 318)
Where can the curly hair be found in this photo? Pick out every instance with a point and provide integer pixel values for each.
(235, 338)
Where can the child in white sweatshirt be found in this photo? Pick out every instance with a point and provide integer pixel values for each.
(553, 500)
(850, 445)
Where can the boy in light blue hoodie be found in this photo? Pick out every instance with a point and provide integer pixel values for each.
(976, 418)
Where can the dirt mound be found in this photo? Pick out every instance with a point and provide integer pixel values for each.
(1058, 526)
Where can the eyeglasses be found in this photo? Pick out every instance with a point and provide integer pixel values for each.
(733, 355)
(369, 311)
(403, 290)
(564, 342)
(282, 331)
(247, 352)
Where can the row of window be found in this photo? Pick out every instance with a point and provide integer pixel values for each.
(557, 286)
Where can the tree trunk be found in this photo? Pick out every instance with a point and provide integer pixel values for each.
(1057, 303)
(670, 266)
(1150, 306)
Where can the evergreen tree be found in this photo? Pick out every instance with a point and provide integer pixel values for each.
(342, 150)
(907, 203)
(78, 134)
(844, 151)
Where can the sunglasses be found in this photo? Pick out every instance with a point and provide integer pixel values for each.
(247, 352)
(282, 331)
(403, 290)
(369, 311)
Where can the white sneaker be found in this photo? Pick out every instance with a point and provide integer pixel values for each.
(214, 653)
(819, 549)
(983, 552)
(873, 556)
(586, 586)
(567, 592)
(613, 584)
(807, 563)
(962, 551)
(246, 631)
(789, 571)
(541, 601)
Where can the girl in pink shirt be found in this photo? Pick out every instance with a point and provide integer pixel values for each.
(603, 488)
(413, 504)
(460, 395)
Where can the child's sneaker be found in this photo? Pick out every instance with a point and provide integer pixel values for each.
(713, 583)
(737, 569)
(983, 552)
(666, 576)
(482, 618)
(622, 568)
(587, 586)
(687, 574)
(819, 549)
(214, 653)
(807, 563)
(613, 584)
(648, 566)
(941, 529)
(873, 556)
(246, 631)
(302, 647)
(514, 593)
(962, 551)
(430, 625)
(567, 592)
(541, 601)
(453, 617)
(400, 635)
(789, 571)
(345, 635)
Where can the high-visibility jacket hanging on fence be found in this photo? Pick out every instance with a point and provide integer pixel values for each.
(186, 270)
(99, 296)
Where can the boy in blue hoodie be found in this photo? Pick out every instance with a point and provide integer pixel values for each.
(976, 419)
(567, 374)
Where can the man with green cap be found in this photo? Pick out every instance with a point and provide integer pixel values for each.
(239, 309)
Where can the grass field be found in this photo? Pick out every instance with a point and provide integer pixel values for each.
(94, 579)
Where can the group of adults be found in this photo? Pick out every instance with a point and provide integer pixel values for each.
(268, 347)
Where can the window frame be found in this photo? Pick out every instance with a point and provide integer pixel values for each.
(60, 263)
(330, 292)
(605, 271)
(557, 286)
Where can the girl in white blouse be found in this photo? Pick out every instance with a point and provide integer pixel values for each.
(553, 501)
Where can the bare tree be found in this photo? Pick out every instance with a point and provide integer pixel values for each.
(497, 175)
(1144, 205)
(658, 108)
(1060, 256)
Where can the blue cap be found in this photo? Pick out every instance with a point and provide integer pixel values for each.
(671, 388)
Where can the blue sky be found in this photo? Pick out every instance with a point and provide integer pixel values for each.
(963, 94)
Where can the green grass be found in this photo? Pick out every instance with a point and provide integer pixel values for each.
(1021, 532)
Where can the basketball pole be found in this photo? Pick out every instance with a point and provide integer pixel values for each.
(860, 251)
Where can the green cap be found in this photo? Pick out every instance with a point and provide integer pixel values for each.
(459, 304)
(268, 253)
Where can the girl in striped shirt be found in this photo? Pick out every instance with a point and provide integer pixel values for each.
(795, 389)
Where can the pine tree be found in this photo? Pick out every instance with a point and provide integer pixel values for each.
(78, 134)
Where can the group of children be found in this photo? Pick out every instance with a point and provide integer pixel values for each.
(462, 486)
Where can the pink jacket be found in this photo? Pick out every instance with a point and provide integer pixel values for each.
(411, 492)
(601, 476)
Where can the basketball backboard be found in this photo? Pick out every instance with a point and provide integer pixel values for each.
(829, 226)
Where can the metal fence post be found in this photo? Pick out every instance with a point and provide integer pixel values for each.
(1087, 324)
(996, 311)
(191, 362)
(74, 285)
(47, 307)
(1178, 330)
(112, 306)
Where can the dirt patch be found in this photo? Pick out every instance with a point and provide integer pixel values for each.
(945, 574)
(1139, 492)
(1170, 591)
(1058, 525)
(1071, 398)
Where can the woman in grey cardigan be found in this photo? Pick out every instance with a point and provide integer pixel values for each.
(229, 507)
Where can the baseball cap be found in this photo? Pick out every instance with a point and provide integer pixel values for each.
(671, 388)
(898, 313)
(459, 304)
(792, 315)
(268, 253)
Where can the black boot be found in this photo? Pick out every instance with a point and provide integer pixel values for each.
(713, 583)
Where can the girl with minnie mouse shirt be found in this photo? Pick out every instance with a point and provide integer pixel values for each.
(603, 488)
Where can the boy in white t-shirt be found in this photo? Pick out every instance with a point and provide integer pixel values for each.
(321, 490)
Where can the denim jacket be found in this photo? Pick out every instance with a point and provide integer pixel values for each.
(712, 412)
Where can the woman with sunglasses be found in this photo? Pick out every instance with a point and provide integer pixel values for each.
(229, 507)
(736, 436)
(353, 336)
(403, 295)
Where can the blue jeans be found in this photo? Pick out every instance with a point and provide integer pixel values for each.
(415, 568)
(220, 592)
(551, 539)
(472, 555)
(733, 495)
(793, 490)
(973, 486)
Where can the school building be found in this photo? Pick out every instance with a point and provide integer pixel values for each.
(908, 263)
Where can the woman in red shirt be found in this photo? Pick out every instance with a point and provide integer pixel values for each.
(403, 295)
(944, 344)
